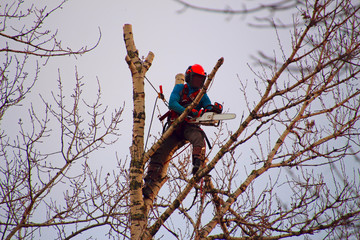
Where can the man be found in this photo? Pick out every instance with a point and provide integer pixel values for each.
(181, 97)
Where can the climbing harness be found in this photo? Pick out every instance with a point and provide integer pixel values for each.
(211, 115)
(185, 100)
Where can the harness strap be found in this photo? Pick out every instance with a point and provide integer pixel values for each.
(185, 98)
(206, 139)
(165, 115)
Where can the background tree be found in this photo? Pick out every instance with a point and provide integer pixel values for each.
(32, 171)
(265, 14)
(23, 38)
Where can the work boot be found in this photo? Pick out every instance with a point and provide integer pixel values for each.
(196, 165)
(147, 193)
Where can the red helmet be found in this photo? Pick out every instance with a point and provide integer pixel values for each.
(195, 76)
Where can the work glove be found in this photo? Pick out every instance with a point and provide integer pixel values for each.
(216, 108)
(194, 113)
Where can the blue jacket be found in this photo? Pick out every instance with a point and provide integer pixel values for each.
(175, 98)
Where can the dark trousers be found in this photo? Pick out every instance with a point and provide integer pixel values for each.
(185, 132)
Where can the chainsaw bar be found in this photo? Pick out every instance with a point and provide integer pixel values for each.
(211, 118)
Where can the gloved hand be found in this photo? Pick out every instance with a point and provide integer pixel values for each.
(216, 108)
(194, 113)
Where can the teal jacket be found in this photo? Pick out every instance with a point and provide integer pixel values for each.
(175, 99)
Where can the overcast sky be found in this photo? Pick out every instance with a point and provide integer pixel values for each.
(178, 37)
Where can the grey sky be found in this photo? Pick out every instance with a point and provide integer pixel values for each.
(177, 40)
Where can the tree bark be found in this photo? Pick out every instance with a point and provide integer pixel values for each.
(138, 70)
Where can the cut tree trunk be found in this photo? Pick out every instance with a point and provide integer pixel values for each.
(138, 68)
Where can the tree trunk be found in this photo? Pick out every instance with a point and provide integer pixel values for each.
(138, 70)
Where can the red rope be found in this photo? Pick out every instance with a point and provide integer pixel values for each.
(201, 187)
(177, 154)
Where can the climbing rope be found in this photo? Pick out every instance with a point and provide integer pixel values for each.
(162, 97)
(152, 117)
(160, 94)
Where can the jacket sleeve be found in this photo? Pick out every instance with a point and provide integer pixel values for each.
(175, 99)
(205, 101)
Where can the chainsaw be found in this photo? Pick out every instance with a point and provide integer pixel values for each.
(212, 118)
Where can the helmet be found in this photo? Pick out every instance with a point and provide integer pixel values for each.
(195, 76)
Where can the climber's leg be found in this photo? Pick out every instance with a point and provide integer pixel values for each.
(194, 134)
(156, 164)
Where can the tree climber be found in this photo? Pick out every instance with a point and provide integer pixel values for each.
(181, 97)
